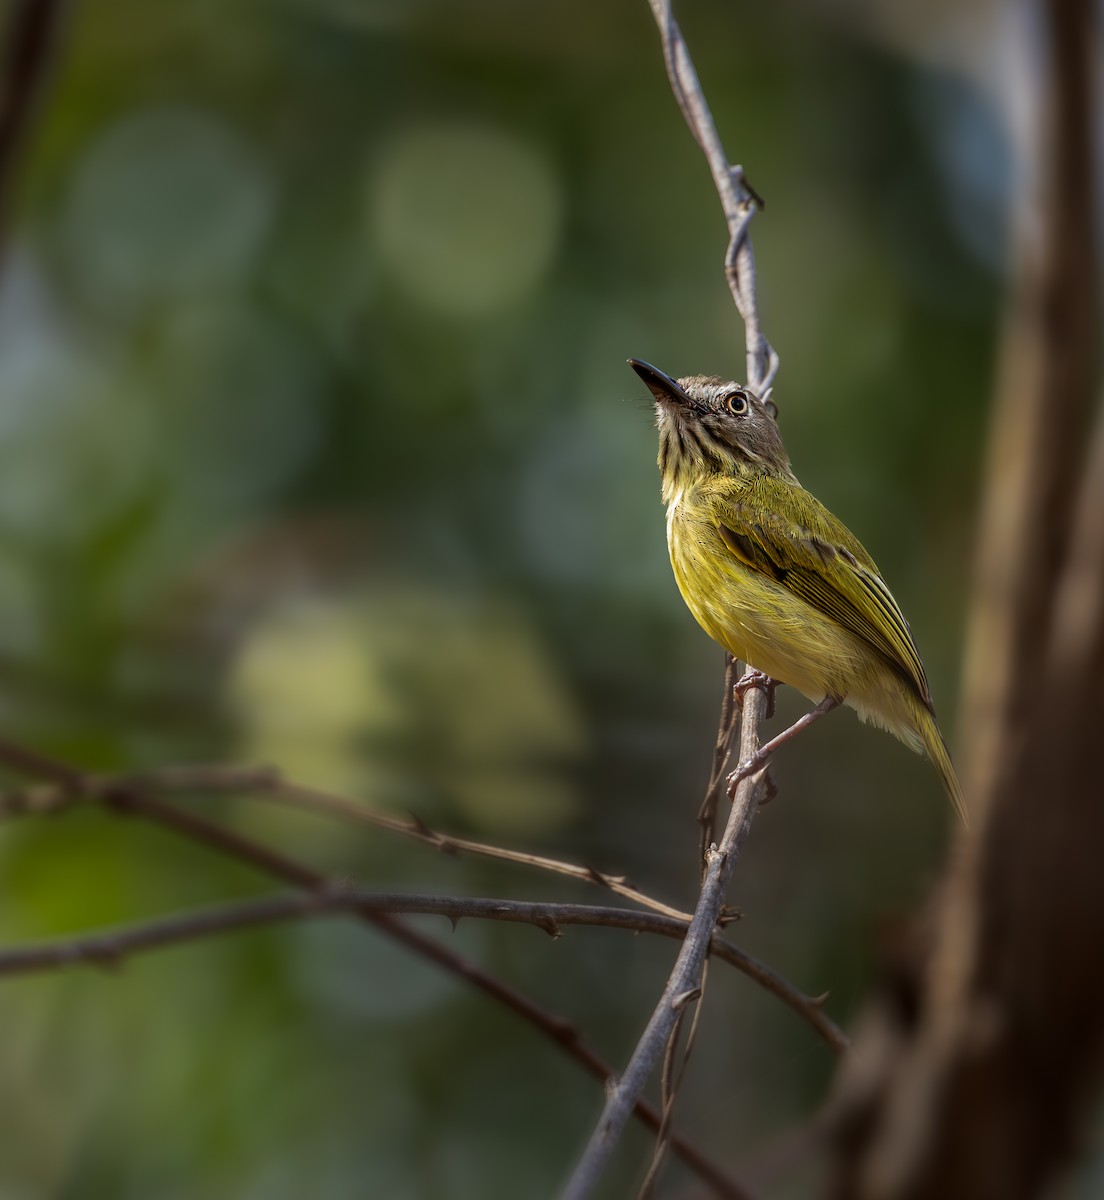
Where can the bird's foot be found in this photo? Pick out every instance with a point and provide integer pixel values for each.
(750, 766)
(754, 678)
(756, 763)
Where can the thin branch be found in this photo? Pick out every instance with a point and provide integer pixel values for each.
(268, 782)
(686, 976)
(64, 792)
(313, 800)
(30, 38)
(566, 1036)
(55, 797)
(133, 801)
(113, 946)
(671, 1077)
(549, 916)
(762, 756)
(738, 198)
(727, 725)
(66, 781)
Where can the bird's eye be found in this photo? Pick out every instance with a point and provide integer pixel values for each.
(737, 403)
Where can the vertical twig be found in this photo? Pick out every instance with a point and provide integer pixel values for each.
(674, 1069)
(738, 198)
(740, 204)
(722, 753)
(685, 979)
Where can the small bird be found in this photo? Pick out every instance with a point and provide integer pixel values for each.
(772, 575)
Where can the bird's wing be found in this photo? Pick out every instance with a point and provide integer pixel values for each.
(818, 559)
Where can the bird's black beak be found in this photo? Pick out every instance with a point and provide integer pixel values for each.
(665, 389)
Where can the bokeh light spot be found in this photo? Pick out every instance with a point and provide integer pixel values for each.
(166, 201)
(466, 217)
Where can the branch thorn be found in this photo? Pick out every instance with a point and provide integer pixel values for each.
(685, 998)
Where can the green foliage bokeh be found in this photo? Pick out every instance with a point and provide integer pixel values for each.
(319, 448)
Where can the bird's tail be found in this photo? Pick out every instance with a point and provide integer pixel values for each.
(937, 751)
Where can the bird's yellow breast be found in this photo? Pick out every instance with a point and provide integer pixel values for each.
(768, 627)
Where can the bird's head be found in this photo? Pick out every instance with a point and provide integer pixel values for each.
(710, 426)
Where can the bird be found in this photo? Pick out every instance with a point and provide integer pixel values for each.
(771, 575)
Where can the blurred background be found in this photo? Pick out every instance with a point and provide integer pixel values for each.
(319, 448)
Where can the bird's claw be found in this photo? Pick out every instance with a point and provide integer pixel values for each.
(749, 767)
(754, 678)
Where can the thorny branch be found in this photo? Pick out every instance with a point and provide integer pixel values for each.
(110, 947)
(268, 782)
(313, 800)
(135, 799)
(52, 798)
